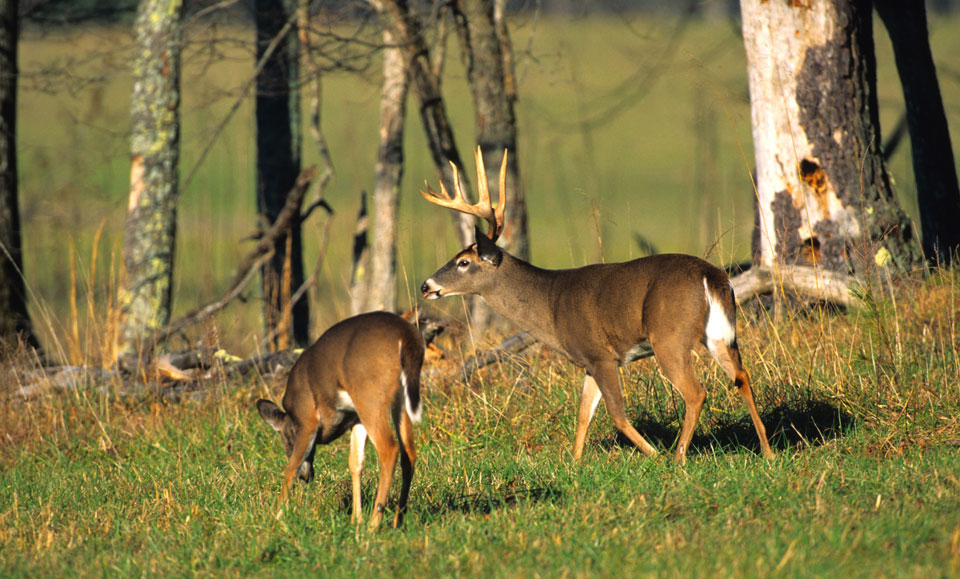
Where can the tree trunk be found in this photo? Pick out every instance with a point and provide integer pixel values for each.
(938, 194)
(14, 319)
(150, 238)
(278, 164)
(405, 27)
(484, 40)
(486, 46)
(382, 289)
(823, 190)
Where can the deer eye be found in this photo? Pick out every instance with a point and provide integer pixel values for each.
(463, 263)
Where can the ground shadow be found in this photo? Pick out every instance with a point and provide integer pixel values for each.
(800, 423)
(481, 503)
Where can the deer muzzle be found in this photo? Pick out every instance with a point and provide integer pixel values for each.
(430, 290)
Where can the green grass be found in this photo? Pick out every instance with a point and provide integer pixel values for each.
(861, 407)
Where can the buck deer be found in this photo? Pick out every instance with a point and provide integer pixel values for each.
(602, 316)
(358, 375)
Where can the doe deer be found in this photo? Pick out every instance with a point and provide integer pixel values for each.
(358, 375)
(602, 316)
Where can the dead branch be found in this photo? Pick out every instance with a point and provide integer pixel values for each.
(506, 350)
(810, 282)
(242, 276)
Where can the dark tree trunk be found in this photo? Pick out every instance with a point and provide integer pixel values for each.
(14, 319)
(938, 195)
(151, 228)
(824, 193)
(278, 165)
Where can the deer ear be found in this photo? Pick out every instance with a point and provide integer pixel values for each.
(487, 250)
(271, 414)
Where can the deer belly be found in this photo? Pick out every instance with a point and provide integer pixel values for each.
(638, 351)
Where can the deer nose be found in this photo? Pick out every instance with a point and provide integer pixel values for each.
(424, 288)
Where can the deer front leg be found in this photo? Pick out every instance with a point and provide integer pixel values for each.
(301, 447)
(589, 400)
(608, 381)
(358, 442)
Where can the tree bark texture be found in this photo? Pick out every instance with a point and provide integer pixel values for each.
(484, 40)
(278, 165)
(151, 227)
(407, 31)
(382, 289)
(824, 194)
(938, 194)
(14, 318)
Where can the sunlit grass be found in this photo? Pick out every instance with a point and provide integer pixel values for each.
(861, 407)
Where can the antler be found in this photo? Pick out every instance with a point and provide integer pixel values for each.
(483, 208)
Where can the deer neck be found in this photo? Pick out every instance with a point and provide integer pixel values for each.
(522, 295)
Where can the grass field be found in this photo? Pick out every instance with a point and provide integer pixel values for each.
(862, 405)
(862, 409)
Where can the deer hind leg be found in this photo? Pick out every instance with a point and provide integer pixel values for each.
(728, 357)
(589, 400)
(408, 457)
(607, 378)
(378, 428)
(674, 361)
(358, 443)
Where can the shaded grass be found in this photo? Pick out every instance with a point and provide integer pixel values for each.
(865, 481)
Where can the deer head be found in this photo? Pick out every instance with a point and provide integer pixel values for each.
(472, 270)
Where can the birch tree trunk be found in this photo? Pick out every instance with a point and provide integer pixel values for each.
(824, 194)
(938, 193)
(406, 29)
(382, 289)
(151, 228)
(278, 165)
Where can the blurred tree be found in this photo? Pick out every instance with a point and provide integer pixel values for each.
(381, 282)
(14, 318)
(489, 62)
(151, 228)
(488, 54)
(405, 26)
(278, 165)
(824, 193)
(938, 194)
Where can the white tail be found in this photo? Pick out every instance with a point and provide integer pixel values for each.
(604, 315)
(350, 379)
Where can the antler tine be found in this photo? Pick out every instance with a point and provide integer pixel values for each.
(458, 202)
(483, 189)
(501, 207)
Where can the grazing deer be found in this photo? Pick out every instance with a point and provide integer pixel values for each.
(603, 315)
(358, 375)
